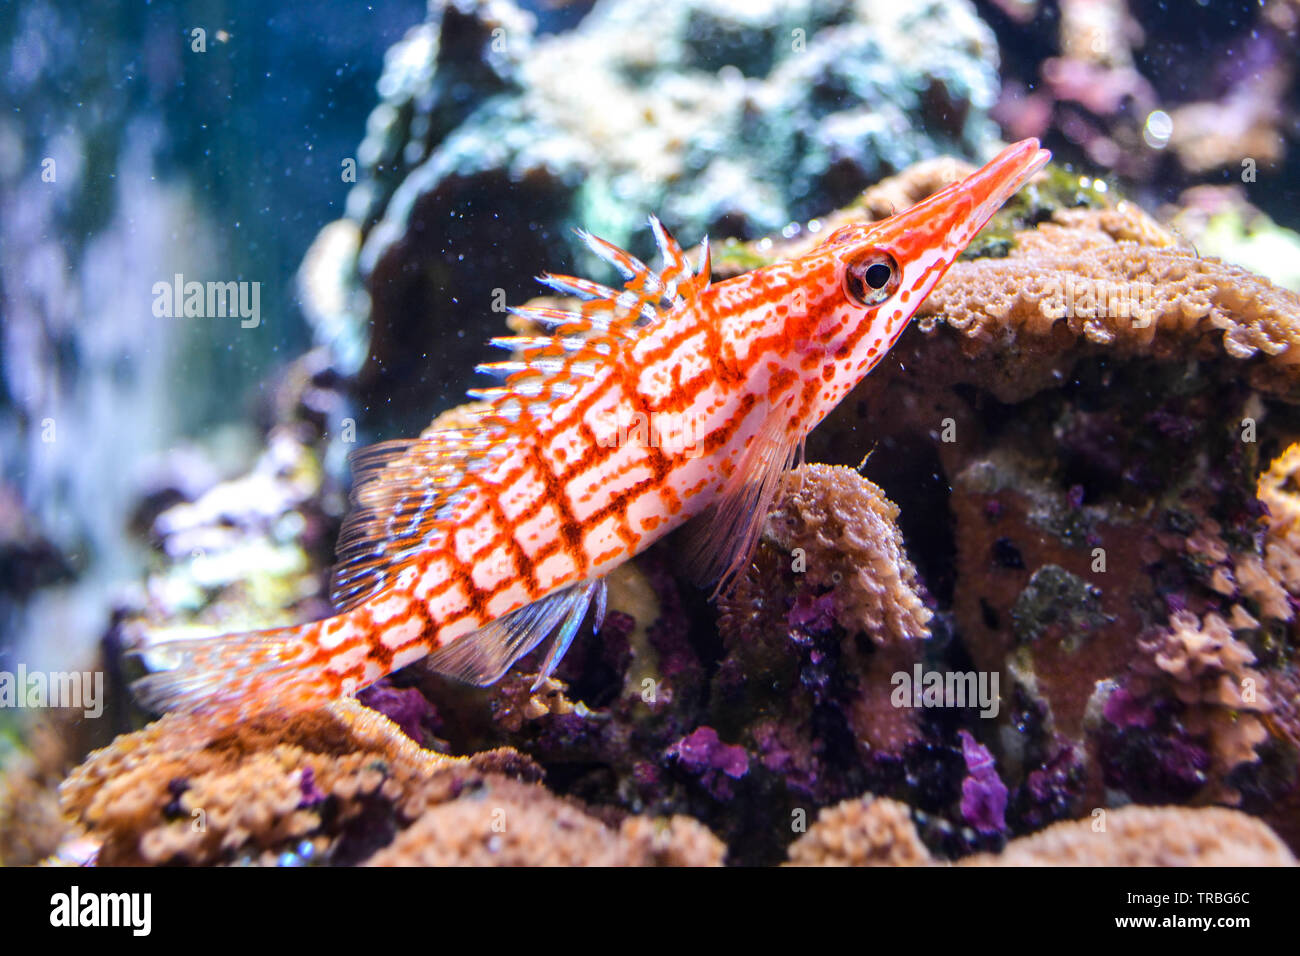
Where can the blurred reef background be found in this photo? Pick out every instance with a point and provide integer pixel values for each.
(393, 175)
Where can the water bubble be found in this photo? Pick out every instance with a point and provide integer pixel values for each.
(1159, 127)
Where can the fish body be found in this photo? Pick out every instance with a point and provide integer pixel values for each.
(669, 399)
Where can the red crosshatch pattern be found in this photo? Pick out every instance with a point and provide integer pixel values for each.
(455, 529)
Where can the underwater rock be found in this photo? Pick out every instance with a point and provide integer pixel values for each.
(704, 755)
(1107, 454)
(491, 142)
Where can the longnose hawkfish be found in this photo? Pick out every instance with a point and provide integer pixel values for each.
(470, 546)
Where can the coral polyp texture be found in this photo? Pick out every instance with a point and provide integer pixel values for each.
(1117, 280)
(880, 832)
(335, 786)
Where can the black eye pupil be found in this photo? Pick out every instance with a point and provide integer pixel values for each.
(877, 276)
(870, 277)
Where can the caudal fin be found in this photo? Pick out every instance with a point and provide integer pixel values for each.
(238, 674)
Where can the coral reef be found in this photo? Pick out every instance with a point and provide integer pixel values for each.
(1115, 278)
(507, 823)
(861, 832)
(182, 791)
(1117, 569)
(868, 831)
(1104, 458)
(1101, 397)
(1054, 479)
(1058, 469)
(659, 713)
(1148, 836)
(341, 786)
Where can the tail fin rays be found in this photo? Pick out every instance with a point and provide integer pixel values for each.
(272, 669)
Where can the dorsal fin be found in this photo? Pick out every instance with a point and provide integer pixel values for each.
(402, 492)
(405, 492)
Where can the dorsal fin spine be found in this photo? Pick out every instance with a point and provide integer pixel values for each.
(406, 494)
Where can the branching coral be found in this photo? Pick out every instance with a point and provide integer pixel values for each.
(1208, 671)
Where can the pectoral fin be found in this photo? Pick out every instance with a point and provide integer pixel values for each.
(722, 540)
(483, 656)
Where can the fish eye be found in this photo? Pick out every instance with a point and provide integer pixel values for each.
(871, 277)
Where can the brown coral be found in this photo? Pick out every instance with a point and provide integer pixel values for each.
(1148, 836)
(877, 832)
(178, 792)
(861, 832)
(507, 823)
(1205, 668)
(1279, 489)
(1115, 279)
(840, 530)
(831, 543)
(331, 784)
